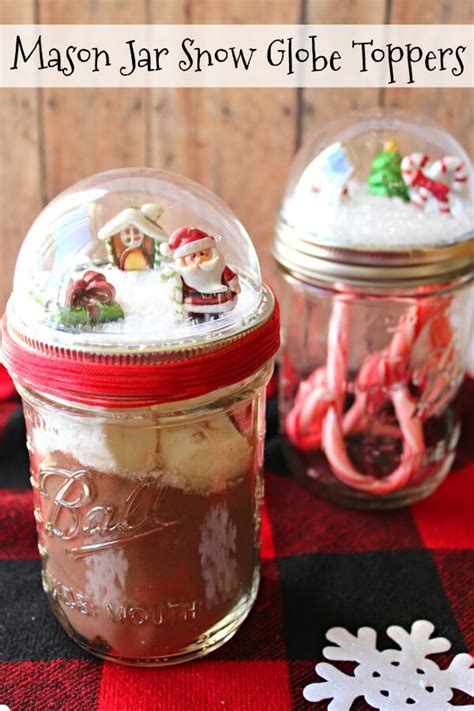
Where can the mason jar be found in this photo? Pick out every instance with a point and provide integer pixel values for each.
(145, 432)
(374, 241)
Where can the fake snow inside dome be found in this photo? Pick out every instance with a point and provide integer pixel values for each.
(383, 182)
(136, 259)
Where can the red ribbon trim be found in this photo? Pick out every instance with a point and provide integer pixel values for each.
(115, 384)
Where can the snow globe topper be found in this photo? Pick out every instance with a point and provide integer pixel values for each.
(138, 266)
(136, 258)
(367, 170)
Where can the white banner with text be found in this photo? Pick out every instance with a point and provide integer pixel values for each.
(198, 56)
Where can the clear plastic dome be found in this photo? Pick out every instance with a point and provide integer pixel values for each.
(135, 259)
(381, 181)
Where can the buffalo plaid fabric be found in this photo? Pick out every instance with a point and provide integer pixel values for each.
(321, 566)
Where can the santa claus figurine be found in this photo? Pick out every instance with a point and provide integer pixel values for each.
(205, 286)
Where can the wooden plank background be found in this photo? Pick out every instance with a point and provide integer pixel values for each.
(237, 142)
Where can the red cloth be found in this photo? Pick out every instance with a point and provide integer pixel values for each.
(322, 566)
(7, 389)
(8, 400)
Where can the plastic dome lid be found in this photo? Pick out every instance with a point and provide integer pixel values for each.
(115, 224)
(134, 266)
(388, 190)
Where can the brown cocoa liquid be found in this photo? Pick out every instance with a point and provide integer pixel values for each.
(137, 570)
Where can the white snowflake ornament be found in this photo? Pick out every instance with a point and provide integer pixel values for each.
(392, 679)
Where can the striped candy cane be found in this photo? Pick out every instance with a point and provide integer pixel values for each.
(317, 419)
(174, 277)
(178, 297)
(156, 256)
(425, 183)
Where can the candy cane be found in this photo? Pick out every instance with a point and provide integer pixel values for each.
(333, 442)
(316, 419)
(425, 184)
(333, 428)
(177, 282)
(178, 297)
(452, 166)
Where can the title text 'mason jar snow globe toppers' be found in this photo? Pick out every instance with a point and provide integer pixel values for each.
(375, 241)
(141, 339)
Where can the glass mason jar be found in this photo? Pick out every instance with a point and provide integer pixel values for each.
(149, 519)
(141, 350)
(368, 386)
(377, 309)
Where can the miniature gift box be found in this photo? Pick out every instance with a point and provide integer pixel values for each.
(375, 243)
(141, 338)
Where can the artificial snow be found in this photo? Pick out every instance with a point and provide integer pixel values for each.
(147, 302)
(363, 220)
(393, 679)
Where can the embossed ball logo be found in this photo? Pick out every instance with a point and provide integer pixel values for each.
(69, 511)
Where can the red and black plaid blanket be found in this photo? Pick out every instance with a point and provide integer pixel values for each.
(322, 566)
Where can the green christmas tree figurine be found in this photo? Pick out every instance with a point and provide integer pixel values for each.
(386, 177)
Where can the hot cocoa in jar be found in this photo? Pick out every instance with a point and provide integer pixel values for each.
(141, 340)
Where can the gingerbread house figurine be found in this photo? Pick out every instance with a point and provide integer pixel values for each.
(133, 238)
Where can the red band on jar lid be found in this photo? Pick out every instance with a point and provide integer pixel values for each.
(128, 381)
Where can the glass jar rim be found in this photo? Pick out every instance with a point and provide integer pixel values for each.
(306, 258)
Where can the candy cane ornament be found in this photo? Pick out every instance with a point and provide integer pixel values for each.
(425, 183)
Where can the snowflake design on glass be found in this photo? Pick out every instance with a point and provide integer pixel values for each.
(106, 573)
(392, 679)
(217, 550)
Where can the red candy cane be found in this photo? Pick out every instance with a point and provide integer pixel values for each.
(317, 419)
(426, 183)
